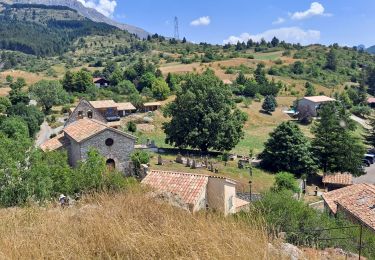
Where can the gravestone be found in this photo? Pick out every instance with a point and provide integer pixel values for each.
(160, 160)
(179, 158)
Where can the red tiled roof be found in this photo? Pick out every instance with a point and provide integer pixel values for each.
(54, 143)
(361, 206)
(86, 128)
(189, 187)
(338, 178)
(103, 104)
(83, 129)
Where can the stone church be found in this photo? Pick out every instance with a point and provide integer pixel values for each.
(87, 128)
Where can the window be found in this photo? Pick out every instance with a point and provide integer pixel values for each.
(80, 114)
(89, 114)
(109, 142)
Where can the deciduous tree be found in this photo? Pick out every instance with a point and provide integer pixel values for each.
(203, 115)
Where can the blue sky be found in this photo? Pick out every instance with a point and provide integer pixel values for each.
(347, 22)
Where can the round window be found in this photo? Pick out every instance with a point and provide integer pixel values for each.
(109, 142)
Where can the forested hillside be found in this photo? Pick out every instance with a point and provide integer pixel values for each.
(45, 30)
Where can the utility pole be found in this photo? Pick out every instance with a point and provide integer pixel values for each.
(360, 242)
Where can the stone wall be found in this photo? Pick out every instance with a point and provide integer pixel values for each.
(74, 151)
(84, 106)
(120, 151)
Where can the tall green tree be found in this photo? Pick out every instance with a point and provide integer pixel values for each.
(49, 94)
(310, 90)
(204, 115)
(335, 146)
(331, 60)
(160, 89)
(260, 74)
(289, 150)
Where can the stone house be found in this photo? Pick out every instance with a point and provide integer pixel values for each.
(313, 104)
(85, 109)
(82, 135)
(197, 192)
(108, 108)
(356, 202)
(105, 111)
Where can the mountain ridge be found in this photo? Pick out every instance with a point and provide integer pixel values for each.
(89, 13)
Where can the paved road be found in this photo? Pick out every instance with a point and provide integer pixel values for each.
(361, 121)
(45, 132)
(369, 177)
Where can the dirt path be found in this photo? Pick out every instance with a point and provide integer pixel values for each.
(361, 121)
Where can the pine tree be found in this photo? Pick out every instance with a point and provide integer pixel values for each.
(260, 75)
(289, 150)
(331, 60)
(335, 146)
(310, 90)
(269, 104)
(241, 79)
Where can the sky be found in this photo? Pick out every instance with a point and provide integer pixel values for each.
(347, 22)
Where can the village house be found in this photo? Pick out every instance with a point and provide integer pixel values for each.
(197, 192)
(371, 102)
(101, 82)
(80, 136)
(151, 106)
(313, 104)
(337, 181)
(125, 109)
(108, 108)
(357, 202)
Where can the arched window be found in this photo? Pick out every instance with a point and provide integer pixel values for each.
(109, 142)
(89, 114)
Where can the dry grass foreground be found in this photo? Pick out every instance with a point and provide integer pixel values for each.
(125, 226)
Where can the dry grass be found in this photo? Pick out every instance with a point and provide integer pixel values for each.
(128, 225)
(4, 92)
(29, 77)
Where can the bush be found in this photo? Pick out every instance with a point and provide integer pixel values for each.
(361, 111)
(238, 100)
(285, 181)
(132, 127)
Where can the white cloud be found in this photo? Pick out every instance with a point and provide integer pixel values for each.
(288, 34)
(316, 9)
(205, 20)
(279, 20)
(106, 7)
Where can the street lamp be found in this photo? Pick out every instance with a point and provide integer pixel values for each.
(251, 170)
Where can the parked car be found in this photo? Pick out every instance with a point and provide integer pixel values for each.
(370, 158)
(366, 162)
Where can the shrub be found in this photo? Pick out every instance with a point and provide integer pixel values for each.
(132, 127)
(285, 181)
